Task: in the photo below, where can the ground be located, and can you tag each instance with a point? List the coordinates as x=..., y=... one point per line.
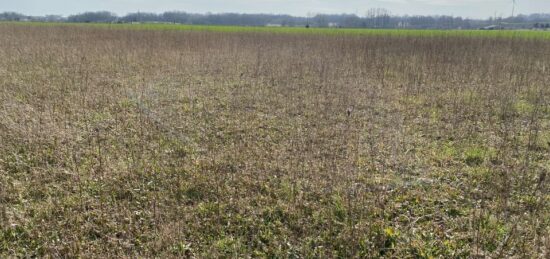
x=191, y=143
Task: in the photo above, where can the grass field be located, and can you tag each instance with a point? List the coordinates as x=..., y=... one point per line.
x=313, y=31
x=184, y=142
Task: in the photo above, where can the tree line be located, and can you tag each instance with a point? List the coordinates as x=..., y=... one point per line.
x=373, y=18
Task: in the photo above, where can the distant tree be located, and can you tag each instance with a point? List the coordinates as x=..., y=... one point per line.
x=321, y=20
x=11, y=16
x=373, y=18
x=141, y=17
x=93, y=17
x=176, y=17
x=377, y=18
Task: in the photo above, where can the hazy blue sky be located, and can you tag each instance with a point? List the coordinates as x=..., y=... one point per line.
x=466, y=8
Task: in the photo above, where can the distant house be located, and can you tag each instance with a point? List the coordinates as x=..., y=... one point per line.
x=274, y=25
x=492, y=27
x=541, y=26
x=333, y=25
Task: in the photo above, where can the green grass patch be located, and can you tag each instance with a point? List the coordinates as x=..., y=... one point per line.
x=308, y=31
x=524, y=107
x=475, y=156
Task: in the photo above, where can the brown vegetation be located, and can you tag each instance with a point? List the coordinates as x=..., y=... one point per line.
x=127, y=143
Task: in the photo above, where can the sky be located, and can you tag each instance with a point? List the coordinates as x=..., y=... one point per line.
x=464, y=8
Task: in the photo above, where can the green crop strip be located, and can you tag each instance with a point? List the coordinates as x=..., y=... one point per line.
x=310, y=31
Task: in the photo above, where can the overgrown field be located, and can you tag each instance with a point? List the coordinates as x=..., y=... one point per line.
x=151, y=143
